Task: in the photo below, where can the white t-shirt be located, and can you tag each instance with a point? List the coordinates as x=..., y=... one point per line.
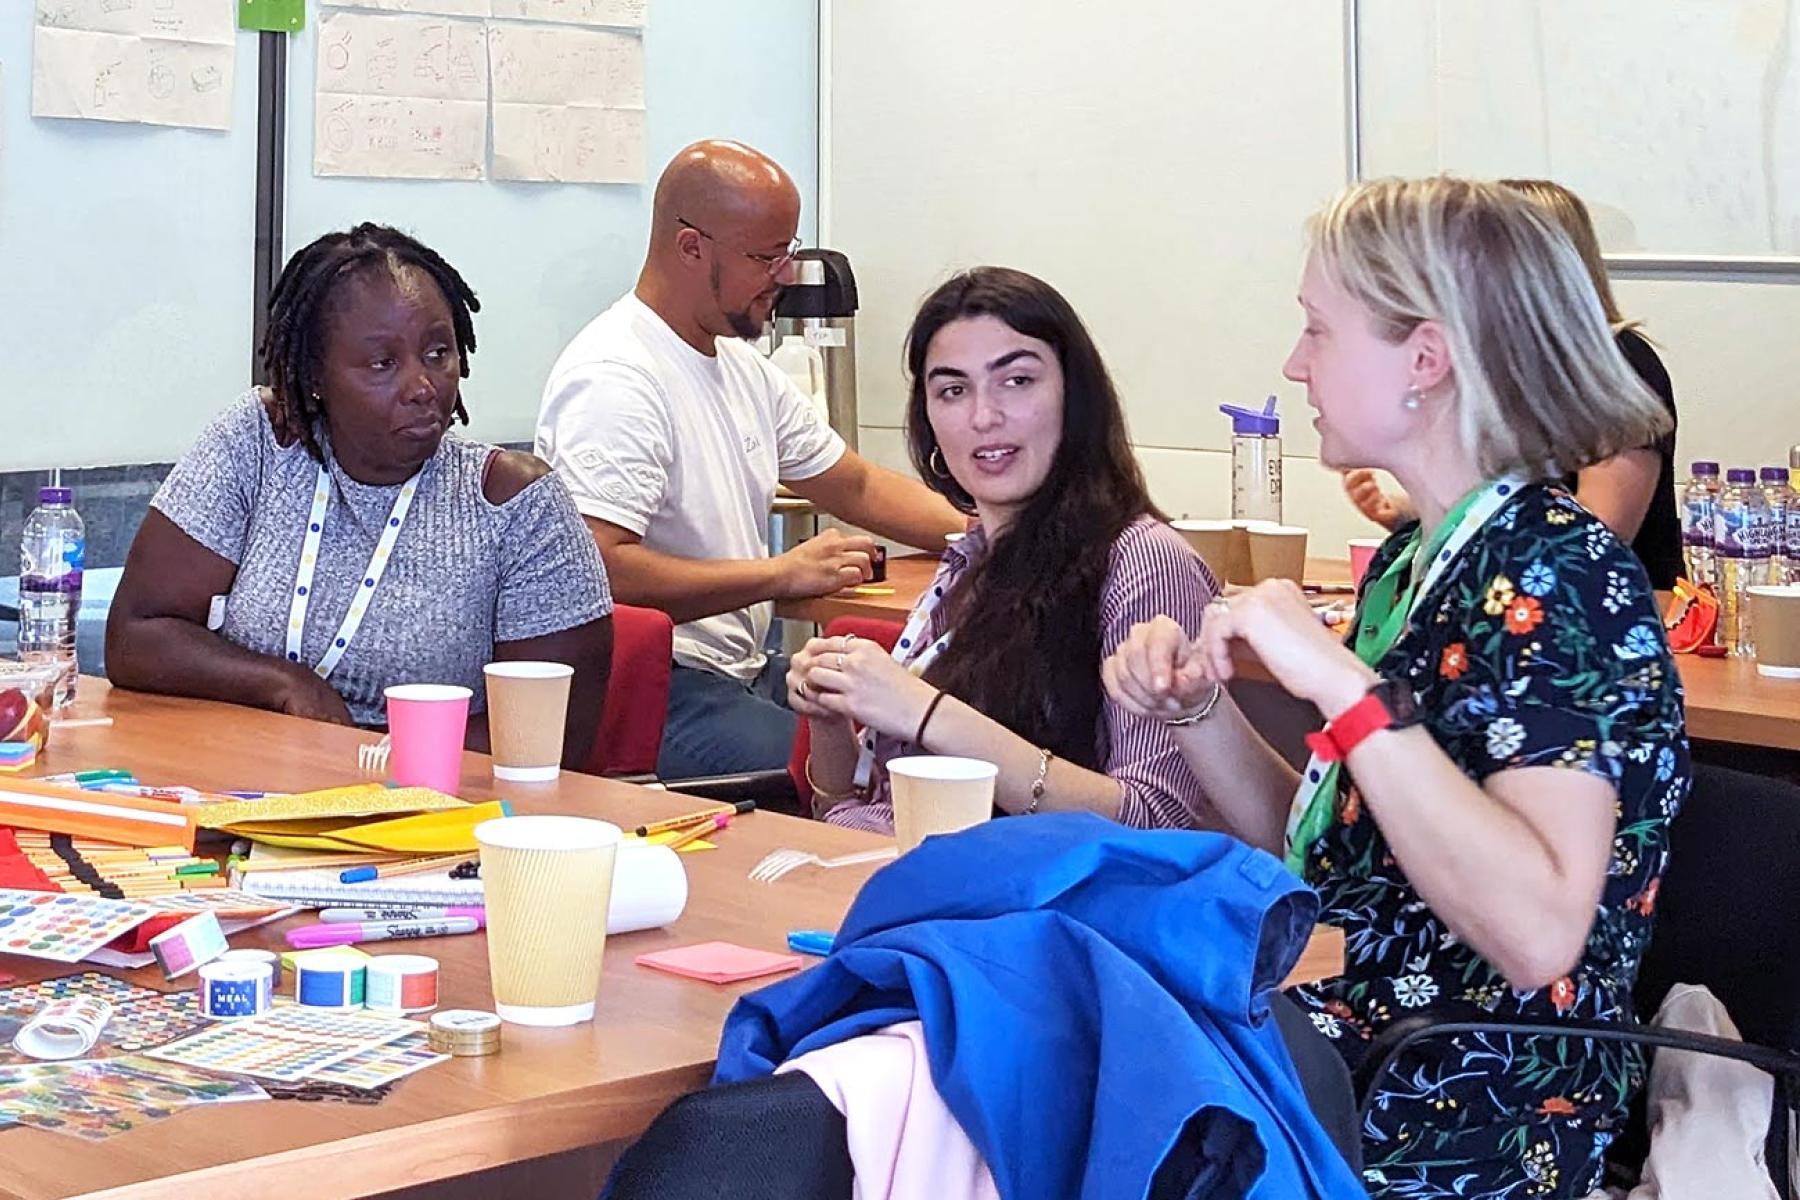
x=684, y=450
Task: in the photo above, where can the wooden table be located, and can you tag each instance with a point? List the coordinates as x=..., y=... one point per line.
x=1727, y=701
x=547, y=1091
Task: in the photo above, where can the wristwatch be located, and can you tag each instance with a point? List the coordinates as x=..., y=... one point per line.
x=1390, y=704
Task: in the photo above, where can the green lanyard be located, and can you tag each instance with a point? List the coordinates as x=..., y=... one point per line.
x=1387, y=604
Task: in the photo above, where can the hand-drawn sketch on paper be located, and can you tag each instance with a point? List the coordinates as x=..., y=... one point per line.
x=154, y=62
x=401, y=97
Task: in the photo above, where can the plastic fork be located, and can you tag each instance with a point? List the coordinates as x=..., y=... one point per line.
x=782, y=862
x=372, y=757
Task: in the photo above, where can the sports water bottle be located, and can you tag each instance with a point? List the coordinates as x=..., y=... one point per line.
x=51, y=556
x=1699, y=501
x=1255, y=462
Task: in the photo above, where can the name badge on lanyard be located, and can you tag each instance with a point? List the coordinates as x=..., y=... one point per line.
x=365, y=589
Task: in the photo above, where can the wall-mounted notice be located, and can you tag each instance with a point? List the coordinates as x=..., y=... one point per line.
x=620, y=14
x=401, y=97
x=156, y=62
x=439, y=8
x=568, y=104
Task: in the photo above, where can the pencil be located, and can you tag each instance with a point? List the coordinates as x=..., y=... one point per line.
x=699, y=831
x=686, y=819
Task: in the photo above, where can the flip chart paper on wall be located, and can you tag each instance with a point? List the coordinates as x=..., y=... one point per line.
x=401, y=97
x=168, y=63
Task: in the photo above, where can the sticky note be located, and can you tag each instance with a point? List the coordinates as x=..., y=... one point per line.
x=719, y=962
x=272, y=16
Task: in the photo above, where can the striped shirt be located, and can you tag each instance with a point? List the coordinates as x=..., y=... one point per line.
x=1152, y=572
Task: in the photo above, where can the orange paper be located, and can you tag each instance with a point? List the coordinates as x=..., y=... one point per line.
x=720, y=962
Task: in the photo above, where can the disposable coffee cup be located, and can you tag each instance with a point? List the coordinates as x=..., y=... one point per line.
x=1277, y=552
x=528, y=708
x=1362, y=553
x=427, y=723
x=1211, y=540
x=1775, y=625
x=547, y=884
x=939, y=794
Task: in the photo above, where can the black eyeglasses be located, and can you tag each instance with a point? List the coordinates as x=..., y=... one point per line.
x=772, y=263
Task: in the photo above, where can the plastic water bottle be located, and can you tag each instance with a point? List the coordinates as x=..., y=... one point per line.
x=1790, y=536
x=50, y=563
x=1255, y=462
x=1781, y=504
x=1742, y=538
x=1699, y=500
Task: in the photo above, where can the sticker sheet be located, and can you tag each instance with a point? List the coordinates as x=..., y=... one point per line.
x=288, y=1044
x=62, y=927
x=97, y=1098
x=380, y=1065
x=142, y=1017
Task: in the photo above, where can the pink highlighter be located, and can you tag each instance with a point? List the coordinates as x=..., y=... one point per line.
x=344, y=933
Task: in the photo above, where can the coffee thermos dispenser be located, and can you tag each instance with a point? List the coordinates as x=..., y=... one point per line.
x=820, y=308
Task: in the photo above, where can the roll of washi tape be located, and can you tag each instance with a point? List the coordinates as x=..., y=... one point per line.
x=402, y=983
x=331, y=981
x=269, y=957
x=235, y=989
x=464, y=1032
x=199, y=939
x=67, y=1028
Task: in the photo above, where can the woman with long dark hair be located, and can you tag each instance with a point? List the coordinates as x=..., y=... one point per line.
x=1013, y=417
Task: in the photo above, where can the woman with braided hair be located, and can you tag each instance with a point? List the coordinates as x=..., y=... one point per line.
x=328, y=536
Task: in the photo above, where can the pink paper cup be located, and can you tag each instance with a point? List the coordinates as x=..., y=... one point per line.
x=427, y=723
x=1362, y=552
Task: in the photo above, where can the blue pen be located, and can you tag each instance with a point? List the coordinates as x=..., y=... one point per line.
x=811, y=941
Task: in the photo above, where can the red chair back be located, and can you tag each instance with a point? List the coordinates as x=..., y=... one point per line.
x=875, y=630
x=637, y=693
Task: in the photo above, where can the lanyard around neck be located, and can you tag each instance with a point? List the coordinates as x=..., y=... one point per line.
x=365, y=588
x=1382, y=616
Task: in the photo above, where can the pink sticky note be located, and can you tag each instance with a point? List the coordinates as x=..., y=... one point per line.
x=719, y=962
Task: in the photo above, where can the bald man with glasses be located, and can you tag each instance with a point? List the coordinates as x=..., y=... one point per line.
x=672, y=432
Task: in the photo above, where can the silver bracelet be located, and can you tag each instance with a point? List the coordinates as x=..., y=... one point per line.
x=1037, y=785
x=1205, y=709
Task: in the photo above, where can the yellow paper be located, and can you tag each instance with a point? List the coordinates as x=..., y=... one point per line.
x=359, y=800
x=426, y=833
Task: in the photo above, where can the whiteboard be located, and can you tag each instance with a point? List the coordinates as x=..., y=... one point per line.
x=1155, y=162
x=546, y=258
x=125, y=273
x=1678, y=122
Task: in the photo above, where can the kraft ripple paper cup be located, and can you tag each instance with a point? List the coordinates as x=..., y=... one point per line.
x=528, y=708
x=547, y=882
x=939, y=794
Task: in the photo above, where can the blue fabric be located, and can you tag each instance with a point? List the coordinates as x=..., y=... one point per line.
x=719, y=726
x=1085, y=990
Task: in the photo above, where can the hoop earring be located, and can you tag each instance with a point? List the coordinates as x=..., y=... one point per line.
x=1413, y=398
x=935, y=460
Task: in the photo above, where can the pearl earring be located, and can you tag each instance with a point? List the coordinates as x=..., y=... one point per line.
x=1413, y=398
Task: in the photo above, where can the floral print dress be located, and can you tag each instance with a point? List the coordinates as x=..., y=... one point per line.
x=1539, y=646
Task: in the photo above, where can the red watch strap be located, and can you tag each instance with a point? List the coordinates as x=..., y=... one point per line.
x=1339, y=737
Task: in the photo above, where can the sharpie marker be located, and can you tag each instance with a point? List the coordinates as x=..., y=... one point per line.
x=314, y=936
x=401, y=913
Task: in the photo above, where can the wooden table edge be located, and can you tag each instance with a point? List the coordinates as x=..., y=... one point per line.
x=604, y=1111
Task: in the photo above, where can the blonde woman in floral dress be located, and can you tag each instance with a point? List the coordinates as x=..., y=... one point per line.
x=1486, y=811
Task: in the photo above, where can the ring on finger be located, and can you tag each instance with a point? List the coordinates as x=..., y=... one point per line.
x=840, y=665
x=800, y=690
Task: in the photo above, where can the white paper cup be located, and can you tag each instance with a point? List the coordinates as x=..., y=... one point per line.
x=938, y=794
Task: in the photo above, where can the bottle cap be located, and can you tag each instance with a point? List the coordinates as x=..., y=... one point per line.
x=1740, y=475
x=55, y=495
x=1247, y=422
x=1774, y=474
x=1705, y=467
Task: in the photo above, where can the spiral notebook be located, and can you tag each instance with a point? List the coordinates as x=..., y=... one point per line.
x=322, y=887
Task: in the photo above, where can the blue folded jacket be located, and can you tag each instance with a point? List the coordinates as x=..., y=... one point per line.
x=1093, y=998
